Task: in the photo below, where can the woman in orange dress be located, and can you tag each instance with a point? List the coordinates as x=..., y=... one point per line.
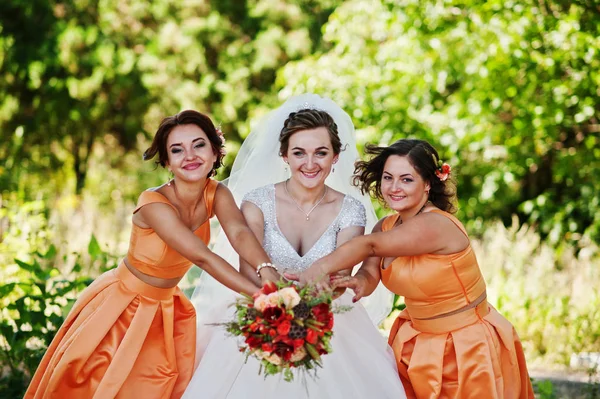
x=449, y=342
x=132, y=332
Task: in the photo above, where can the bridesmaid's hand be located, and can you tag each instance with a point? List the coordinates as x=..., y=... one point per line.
x=357, y=283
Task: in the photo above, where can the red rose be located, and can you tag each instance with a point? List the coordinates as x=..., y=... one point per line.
x=284, y=327
x=311, y=336
x=253, y=341
x=272, y=332
x=298, y=343
x=274, y=315
x=267, y=348
x=330, y=324
x=269, y=288
x=254, y=327
x=320, y=309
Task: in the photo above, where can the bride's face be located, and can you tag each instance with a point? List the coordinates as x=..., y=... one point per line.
x=310, y=156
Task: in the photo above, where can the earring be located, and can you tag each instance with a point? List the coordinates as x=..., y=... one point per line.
x=171, y=176
x=333, y=170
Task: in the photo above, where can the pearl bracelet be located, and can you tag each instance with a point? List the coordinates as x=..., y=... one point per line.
x=262, y=266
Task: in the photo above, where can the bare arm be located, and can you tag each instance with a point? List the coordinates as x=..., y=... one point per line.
x=166, y=223
x=366, y=279
x=344, y=236
x=242, y=237
x=423, y=234
x=255, y=219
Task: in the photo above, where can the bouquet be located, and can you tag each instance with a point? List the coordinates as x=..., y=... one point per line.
x=285, y=327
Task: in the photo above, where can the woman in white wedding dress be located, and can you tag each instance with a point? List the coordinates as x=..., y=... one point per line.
x=298, y=220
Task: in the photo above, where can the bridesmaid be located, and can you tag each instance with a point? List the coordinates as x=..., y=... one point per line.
x=448, y=342
x=132, y=332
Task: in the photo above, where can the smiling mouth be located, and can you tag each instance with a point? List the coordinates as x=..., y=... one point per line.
x=397, y=197
x=191, y=166
x=311, y=175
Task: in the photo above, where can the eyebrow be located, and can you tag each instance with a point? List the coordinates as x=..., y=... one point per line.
x=316, y=149
x=193, y=141
x=405, y=174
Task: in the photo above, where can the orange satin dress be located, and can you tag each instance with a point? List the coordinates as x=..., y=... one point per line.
x=475, y=353
x=125, y=338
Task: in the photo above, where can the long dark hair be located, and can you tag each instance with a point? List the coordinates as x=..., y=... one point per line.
x=188, y=117
x=421, y=155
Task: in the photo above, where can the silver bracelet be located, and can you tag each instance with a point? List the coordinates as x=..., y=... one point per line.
x=262, y=266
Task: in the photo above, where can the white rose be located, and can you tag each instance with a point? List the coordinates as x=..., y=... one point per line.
x=290, y=297
x=298, y=354
x=273, y=299
x=260, y=303
x=274, y=359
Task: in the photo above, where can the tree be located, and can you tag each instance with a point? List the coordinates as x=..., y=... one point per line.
x=507, y=90
x=92, y=68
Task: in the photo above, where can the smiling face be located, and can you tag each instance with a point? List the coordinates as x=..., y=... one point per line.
x=402, y=187
x=310, y=156
x=191, y=156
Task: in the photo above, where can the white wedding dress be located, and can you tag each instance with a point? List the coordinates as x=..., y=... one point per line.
x=361, y=365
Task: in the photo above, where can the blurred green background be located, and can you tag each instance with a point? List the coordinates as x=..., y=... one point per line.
x=508, y=91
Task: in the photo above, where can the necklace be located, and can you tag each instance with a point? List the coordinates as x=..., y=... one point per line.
x=399, y=221
x=298, y=206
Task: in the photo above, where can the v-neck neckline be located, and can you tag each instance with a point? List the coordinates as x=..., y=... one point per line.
x=276, y=223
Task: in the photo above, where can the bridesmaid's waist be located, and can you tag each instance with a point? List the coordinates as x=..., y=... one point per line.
x=430, y=310
x=139, y=286
x=451, y=322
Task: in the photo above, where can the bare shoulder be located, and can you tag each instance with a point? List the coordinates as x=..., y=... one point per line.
x=334, y=196
x=378, y=226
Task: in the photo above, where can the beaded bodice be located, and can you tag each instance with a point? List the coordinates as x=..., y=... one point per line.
x=281, y=252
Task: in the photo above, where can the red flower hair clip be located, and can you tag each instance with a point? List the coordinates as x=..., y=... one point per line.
x=443, y=170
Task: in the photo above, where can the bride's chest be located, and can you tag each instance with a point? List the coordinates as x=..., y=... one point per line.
x=288, y=258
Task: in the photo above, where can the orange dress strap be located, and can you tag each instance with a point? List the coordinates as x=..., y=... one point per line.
x=452, y=218
x=209, y=196
x=152, y=197
x=389, y=222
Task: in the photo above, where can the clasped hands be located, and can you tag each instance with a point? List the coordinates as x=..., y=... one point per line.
x=317, y=275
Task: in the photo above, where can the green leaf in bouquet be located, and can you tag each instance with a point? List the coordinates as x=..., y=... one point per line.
x=288, y=375
x=312, y=351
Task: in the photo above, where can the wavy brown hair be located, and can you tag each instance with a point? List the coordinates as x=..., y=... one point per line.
x=309, y=119
x=421, y=155
x=188, y=117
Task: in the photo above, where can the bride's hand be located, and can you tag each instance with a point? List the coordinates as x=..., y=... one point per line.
x=315, y=274
x=269, y=274
x=356, y=283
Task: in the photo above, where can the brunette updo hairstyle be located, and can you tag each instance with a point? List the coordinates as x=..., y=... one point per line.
x=308, y=119
x=421, y=155
x=188, y=117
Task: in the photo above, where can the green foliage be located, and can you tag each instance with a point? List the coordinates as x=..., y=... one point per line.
x=507, y=91
x=544, y=389
x=35, y=299
x=94, y=70
x=552, y=301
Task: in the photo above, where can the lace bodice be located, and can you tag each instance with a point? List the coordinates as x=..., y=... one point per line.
x=281, y=252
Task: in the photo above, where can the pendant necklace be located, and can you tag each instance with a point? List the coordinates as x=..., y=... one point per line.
x=298, y=206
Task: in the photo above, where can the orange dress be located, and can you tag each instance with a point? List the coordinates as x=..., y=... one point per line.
x=475, y=353
x=125, y=338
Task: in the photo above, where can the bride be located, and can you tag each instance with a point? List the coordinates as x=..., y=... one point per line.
x=298, y=219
